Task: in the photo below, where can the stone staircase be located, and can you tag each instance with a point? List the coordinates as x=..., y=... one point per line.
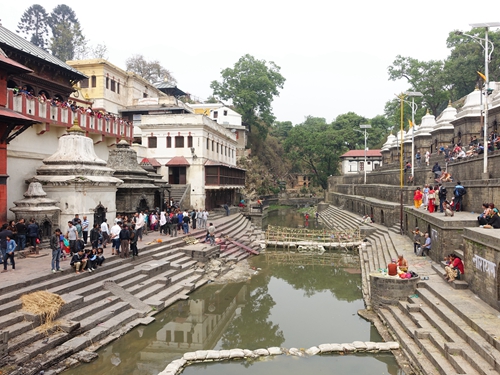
x=445, y=331
x=161, y=275
x=336, y=218
x=440, y=329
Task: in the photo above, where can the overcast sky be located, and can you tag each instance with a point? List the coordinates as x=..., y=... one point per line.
x=334, y=55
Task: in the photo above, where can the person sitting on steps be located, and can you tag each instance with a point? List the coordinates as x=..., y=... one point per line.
x=427, y=245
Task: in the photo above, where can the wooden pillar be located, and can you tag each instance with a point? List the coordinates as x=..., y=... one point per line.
x=3, y=182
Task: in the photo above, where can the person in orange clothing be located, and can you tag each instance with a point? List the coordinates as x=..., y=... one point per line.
x=402, y=263
x=417, y=198
x=392, y=268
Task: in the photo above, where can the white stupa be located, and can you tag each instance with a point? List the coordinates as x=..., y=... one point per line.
x=78, y=179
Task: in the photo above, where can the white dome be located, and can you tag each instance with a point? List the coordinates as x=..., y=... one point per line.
x=446, y=117
x=428, y=123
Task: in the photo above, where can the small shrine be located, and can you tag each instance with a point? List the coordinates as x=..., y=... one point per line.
x=139, y=191
x=81, y=182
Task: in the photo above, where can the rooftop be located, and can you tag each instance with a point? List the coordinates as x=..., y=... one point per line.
x=361, y=153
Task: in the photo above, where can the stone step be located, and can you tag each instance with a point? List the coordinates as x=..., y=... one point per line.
x=450, y=343
x=401, y=327
x=488, y=352
x=10, y=319
x=160, y=280
x=166, y=297
x=456, y=284
x=103, y=316
x=91, y=308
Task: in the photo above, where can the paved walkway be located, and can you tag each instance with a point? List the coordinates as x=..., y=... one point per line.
x=33, y=267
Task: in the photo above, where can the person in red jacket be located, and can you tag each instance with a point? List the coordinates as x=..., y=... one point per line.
x=455, y=269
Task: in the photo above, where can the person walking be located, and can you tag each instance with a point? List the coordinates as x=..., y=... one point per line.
x=22, y=230
x=55, y=246
x=94, y=236
x=33, y=234
x=85, y=229
x=417, y=238
x=139, y=224
x=104, y=233
x=124, y=237
x=133, y=241
x=72, y=236
x=458, y=193
x=211, y=234
x=9, y=253
x=442, y=197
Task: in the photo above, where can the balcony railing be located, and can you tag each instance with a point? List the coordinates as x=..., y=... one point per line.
x=46, y=113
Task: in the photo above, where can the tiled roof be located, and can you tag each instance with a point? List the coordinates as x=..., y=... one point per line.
x=151, y=161
x=178, y=161
x=359, y=153
x=11, y=65
x=8, y=38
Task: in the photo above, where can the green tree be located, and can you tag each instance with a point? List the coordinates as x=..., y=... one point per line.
x=426, y=77
x=251, y=85
x=34, y=24
x=347, y=128
x=315, y=147
x=466, y=59
x=151, y=71
x=281, y=129
x=67, y=36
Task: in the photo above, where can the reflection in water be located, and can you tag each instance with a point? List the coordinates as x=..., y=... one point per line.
x=288, y=305
x=289, y=217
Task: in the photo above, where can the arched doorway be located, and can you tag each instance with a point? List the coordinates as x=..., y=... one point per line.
x=99, y=214
x=143, y=205
x=45, y=229
x=382, y=220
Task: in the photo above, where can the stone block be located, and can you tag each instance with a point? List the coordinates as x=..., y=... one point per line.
x=236, y=353
x=359, y=345
x=213, y=354
x=189, y=356
x=68, y=326
x=422, y=333
x=325, y=348
x=201, y=355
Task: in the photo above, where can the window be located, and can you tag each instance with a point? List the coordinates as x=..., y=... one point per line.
x=84, y=83
x=225, y=150
x=217, y=148
x=107, y=82
x=144, y=95
x=213, y=143
x=190, y=141
x=216, y=114
x=118, y=87
x=208, y=144
x=179, y=142
x=113, y=85
x=361, y=165
x=169, y=142
x=152, y=142
x=94, y=81
x=225, y=113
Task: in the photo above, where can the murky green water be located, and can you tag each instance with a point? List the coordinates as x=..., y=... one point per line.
x=287, y=305
x=293, y=301
x=289, y=217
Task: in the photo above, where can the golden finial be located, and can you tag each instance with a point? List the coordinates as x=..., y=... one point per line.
x=76, y=127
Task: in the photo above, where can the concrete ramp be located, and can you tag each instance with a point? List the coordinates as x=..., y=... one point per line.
x=126, y=296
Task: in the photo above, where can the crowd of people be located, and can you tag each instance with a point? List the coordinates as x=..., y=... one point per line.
x=435, y=197
x=58, y=101
x=489, y=218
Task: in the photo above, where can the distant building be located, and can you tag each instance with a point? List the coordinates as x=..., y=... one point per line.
x=226, y=117
x=353, y=161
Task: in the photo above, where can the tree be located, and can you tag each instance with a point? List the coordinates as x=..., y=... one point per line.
x=34, y=23
x=67, y=36
x=466, y=59
x=347, y=125
x=281, y=129
x=151, y=71
x=251, y=85
x=315, y=147
x=426, y=77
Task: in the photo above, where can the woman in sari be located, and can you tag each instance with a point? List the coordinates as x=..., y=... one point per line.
x=432, y=199
x=417, y=198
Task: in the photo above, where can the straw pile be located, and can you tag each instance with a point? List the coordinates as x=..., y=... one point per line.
x=44, y=304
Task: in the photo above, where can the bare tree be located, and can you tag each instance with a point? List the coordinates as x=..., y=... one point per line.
x=151, y=71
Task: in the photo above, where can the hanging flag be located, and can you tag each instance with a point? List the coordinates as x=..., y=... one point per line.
x=482, y=76
x=410, y=123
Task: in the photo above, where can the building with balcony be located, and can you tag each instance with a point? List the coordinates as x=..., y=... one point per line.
x=226, y=117
x=195, y=152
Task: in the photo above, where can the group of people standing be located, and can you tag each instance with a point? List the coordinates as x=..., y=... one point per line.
x=434, y=197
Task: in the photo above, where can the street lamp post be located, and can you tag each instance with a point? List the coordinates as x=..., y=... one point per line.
x=367, y=126
x=487, y=55
x=414, y=107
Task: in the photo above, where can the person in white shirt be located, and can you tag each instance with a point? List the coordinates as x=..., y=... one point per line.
x=204, y=219
x=105, y=233
x=115, y=237
x=139, y=225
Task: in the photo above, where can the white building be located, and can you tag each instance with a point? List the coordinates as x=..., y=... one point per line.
x=353, y=161
x=193, y=151
x=226, y=117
